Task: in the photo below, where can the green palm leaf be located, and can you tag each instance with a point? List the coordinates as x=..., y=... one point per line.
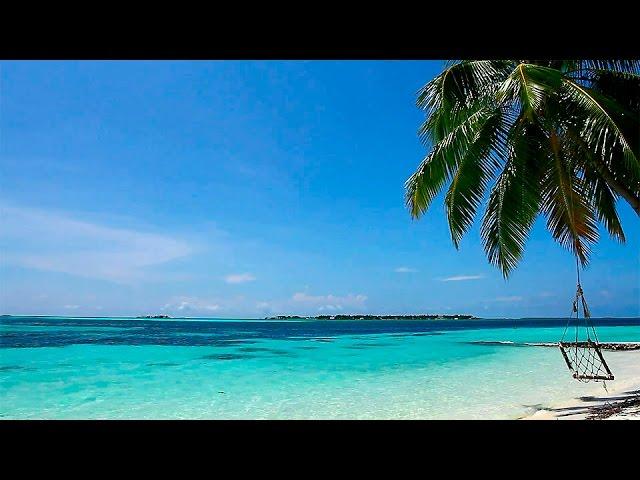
x=600, y=128
x=565, y=134
x=514, y=200
x=442, y=162
x=570, y=217
x=476, y=168
x=531, y=85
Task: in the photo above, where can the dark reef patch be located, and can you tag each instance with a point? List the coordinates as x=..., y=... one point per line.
x=362, y=346
x=282, y=353
x=268, y=351
x=255, y=349
x=226, y=356
x=11, y=368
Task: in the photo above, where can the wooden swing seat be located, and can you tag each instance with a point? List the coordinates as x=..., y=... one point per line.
x=597, y=372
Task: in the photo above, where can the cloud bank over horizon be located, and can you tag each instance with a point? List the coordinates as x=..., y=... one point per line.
x=50, y=241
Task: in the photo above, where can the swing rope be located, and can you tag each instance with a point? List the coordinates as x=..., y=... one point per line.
x=583, y=357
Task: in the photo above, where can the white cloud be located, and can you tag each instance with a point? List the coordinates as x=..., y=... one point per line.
x=239, y=278
x=50, y=241
x=462, y=278
x=329, y=302
x=246, y=307
x=72, y=307
x=405, y=270
x=330, y=308
x=513, y=298
x=185, y=305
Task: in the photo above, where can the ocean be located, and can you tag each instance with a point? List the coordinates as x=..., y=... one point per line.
x=126, y=368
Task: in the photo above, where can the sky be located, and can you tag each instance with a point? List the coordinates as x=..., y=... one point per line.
x=246, y=189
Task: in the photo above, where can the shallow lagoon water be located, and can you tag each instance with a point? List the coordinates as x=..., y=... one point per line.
x=55, y=368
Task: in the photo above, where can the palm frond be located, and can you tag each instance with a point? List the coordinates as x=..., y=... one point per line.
x=441, y=163
x=461, y=83
x=564, y=136
x=475, y=170
x=570, y=216
x=445, y=122
x=531, y=85
x=604, y=201
x=623, y=88
x=514, y=200
x=598, y=191
x=601, y=129
x=619, y=66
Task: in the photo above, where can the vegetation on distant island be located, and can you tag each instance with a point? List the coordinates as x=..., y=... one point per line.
x=374, y=317
x=559, y=138
x=153, y=316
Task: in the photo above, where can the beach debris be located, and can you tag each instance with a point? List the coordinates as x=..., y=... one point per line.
x=628, y=406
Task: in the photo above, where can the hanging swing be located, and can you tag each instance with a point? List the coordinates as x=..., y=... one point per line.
x=583, y=355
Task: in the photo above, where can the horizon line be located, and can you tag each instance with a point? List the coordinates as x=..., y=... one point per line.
x=301, y=317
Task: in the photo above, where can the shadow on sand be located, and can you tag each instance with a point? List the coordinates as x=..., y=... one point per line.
x=623, y=404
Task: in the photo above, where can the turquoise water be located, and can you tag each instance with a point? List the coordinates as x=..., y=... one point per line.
x=64, y=368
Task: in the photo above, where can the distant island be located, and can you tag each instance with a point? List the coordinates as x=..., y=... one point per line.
x=373, y=317
x=153, y=316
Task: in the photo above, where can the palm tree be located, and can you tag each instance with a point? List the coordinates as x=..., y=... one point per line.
x=559, y=138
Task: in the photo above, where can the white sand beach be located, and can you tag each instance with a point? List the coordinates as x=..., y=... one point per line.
x=620, y=400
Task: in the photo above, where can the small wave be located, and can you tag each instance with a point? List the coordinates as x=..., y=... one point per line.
x=493, y=342
x=509, y=343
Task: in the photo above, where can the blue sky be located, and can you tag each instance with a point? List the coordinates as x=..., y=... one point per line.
x=245, y=189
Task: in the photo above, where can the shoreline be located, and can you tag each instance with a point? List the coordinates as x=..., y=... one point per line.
x=620, y=401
